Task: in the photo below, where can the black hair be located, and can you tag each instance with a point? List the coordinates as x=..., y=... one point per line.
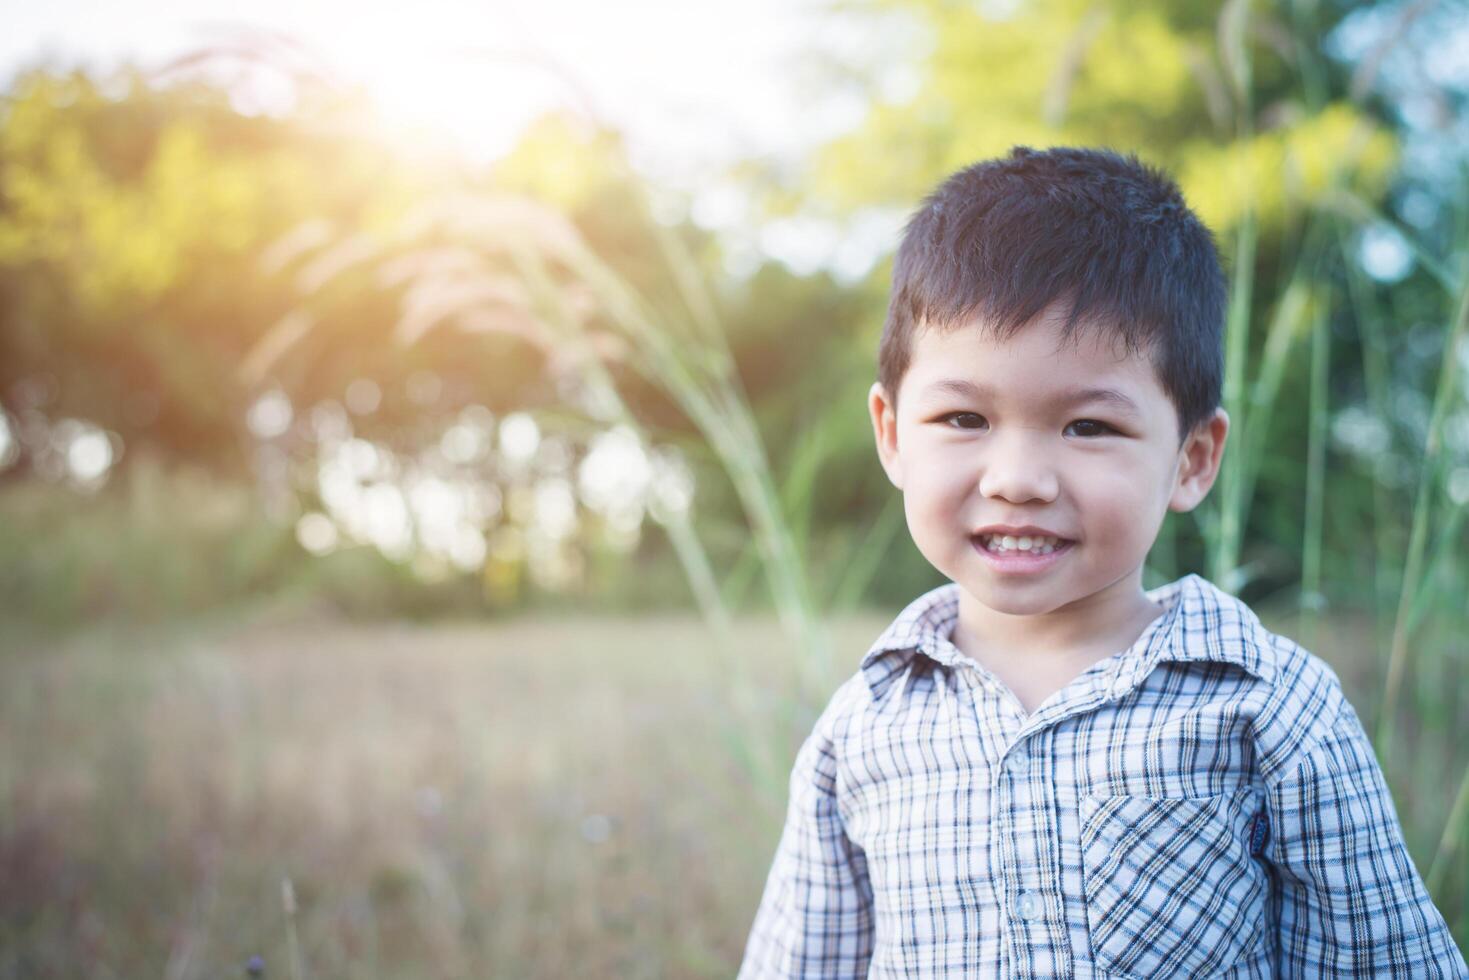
x=1003, y=239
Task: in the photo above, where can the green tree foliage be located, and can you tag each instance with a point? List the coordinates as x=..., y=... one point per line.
x=130, y=231
x=1235, y=100
x=1269, y=138
x=161, y=259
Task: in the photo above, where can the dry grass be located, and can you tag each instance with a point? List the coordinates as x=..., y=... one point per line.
x=531, y=798
x=527, y=799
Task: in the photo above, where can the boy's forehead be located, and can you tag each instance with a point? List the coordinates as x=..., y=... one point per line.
x=1037, y=354
x=1044, y=334
x=1120, y=398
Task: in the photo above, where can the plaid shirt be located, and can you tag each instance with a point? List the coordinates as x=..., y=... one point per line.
x=1204, y=803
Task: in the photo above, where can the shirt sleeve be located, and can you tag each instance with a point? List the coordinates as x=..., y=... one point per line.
x=1351, y=902
x=815, y=917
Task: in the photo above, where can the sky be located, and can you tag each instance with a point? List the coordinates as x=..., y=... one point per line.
x=701, y=76
x=693, y=84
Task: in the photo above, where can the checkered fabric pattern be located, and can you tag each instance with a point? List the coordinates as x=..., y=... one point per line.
x=1202, y=804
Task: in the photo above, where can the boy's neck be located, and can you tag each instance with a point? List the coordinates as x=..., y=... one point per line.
x=1068, y=639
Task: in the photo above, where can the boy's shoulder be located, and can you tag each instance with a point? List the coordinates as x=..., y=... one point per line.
x=1292, y=696
x=1298, y=701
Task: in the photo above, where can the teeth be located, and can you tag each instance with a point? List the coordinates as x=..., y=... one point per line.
x=1006, y=542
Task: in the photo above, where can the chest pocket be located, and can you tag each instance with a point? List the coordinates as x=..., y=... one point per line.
x=1171, y=887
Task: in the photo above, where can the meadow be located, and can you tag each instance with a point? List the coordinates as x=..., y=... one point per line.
x=533, y=797
x=526, y=798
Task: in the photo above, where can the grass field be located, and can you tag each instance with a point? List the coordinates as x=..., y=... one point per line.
x=530, y=798
x=526, y=799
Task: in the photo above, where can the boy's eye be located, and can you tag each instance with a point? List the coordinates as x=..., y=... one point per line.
x=961, y=415
x=1089, y=428
x=1095, y=428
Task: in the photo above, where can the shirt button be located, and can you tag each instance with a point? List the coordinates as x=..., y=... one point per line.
x=1018, y=760
x=1028, y=906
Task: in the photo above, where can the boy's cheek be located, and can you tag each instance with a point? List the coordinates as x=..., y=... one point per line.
x=937, y=484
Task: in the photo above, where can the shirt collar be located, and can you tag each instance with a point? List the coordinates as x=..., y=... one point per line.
x=1200, y=623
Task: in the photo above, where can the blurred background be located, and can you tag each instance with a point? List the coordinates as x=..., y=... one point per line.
x=436, y=491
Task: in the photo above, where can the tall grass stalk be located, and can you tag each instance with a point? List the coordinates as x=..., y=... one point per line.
x=1303, y=308
x=736, y=438
x=1455, y=828
x=686, y=355
x=1445, y=550
x=1291, y=318
x=1412, y=591
x=1351, y=206
x=293, y=943
x=1378, y=380
x=1312, y=596
x=698, y=371
x=862, y=566
x=1428, y=481
x=1222, y=535
x=760, y=753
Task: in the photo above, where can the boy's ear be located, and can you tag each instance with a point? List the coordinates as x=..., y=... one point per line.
x=885, y=430
x=1198, y=462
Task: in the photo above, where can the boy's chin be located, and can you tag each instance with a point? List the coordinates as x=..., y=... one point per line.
x=1015, y=598
x=1011, y=606
x=1021, y=595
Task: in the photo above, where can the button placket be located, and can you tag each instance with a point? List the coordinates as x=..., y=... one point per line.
x=1034, y=874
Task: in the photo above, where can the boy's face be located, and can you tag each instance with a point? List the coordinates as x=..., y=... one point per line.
x=1018, y=451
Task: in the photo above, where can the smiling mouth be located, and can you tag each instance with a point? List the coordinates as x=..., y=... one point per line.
x=1005, y=544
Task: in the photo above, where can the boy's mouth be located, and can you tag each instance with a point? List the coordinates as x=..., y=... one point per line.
x=1009, y=558
x=1006, y=544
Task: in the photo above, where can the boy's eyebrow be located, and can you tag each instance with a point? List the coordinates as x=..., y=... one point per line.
x=1072, y=396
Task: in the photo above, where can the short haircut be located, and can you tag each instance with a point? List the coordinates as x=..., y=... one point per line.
x=1003, y=239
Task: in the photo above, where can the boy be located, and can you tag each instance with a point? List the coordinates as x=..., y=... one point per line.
x=1039, y=769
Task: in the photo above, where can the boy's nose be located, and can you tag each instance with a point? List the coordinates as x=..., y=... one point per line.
x=1016, y=470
